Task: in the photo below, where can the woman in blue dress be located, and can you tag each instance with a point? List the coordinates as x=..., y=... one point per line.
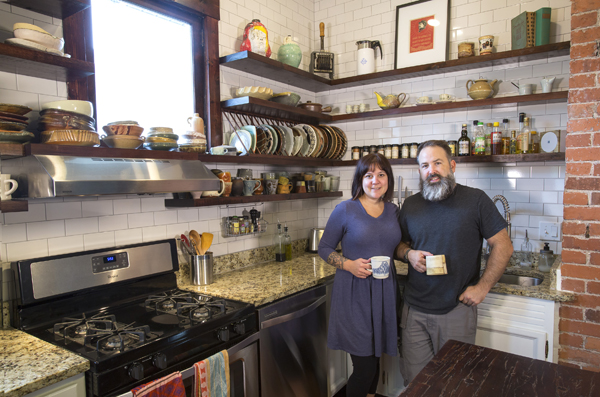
x=363, y=309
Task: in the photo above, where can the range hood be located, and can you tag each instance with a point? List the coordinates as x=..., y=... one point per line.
x=42, y=176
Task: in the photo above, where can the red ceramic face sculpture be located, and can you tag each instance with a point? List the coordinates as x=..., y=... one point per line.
x=256, y=39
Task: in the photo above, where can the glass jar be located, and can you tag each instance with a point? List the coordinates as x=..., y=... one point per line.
x=365, y=151
x=405, y=150
x=381, y=150
x=236, y=226
x=395, y=151
x=388, y=151
x=452, y=145
x=355, y=153
x=414, y=147
x=373, y=149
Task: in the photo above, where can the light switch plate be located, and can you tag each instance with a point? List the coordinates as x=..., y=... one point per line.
x=549, y=231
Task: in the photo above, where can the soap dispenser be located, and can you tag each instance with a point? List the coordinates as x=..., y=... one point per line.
x=526, y=252
x=546, y=259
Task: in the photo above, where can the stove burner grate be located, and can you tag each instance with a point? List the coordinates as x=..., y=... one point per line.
x=167, y=302
x=119, y=339
x=202, y=309
x=74, y=328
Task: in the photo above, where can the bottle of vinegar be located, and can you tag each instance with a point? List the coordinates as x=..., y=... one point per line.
x=464, y=143
x=496, y=139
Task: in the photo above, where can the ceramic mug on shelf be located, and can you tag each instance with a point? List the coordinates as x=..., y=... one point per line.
x=260, y=188
x=237, y=187
x=7, y=187
x=284, y=189
x=444, y=97
x=525, y=89
x=214, y=193
x=423, y=99
x=228, y=187
x=244, y=173
x=271, y=186
x=250, y=186
x=486, y=44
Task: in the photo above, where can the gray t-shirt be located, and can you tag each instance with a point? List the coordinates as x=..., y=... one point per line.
x=454, y=227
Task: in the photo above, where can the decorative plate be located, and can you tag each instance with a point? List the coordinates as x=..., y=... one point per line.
x=15, y=109
x=344, y=142
x=262, y=142
x=12, y=125
x=334, y=141
x=18, y=137
x=255, y=92
x=305, y=145
x=274, y=138
x=289, y=140
x=280, y=140
x=322, y=141
x=13, y=120
x=252, y=130
x=242, y=140
x=311, y=138
x=35, y=46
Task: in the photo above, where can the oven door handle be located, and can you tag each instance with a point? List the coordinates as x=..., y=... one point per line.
x=243, y=344
x=290, y=316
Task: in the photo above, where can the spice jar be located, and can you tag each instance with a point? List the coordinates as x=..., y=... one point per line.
x=452, y=145
x=388, y=151
x=365, y=151
x=373, y=149
x=395, y=151
x=355, y=153
x=405, y=150
x=414, y=147
x=381, y=150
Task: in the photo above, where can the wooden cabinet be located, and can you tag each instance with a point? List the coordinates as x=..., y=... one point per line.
x=519, y=325
x=71, y=387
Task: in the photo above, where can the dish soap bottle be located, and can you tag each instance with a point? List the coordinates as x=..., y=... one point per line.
x=278, y=243
x=287, y=243
x=526, y=250
x=546, y=259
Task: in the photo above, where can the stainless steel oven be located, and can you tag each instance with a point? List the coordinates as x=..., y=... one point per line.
x=243, y=368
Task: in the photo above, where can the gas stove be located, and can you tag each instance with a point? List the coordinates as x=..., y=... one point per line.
x=120, y=309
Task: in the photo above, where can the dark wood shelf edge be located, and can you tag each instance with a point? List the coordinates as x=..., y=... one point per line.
x=80, y=67
x=270, y=160
x=557, y=95
x=210, y=201
x=14, y=206
x=11, y=150
x=60, y=9
x=255, y=106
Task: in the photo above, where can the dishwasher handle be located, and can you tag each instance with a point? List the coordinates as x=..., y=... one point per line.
x=290, y=316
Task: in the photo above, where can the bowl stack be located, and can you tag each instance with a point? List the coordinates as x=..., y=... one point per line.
x=68, y=122
x=13, y=123
x=35, y=38
x=192, y=141
x=123, y=135
x=161, y=138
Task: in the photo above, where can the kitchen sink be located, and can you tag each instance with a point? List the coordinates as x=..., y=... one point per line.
x=520, y=280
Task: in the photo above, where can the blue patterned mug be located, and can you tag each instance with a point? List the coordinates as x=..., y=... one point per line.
x=380, y=266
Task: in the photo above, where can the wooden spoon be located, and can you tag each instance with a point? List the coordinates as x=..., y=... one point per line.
x=205, y=242
x=195, y=238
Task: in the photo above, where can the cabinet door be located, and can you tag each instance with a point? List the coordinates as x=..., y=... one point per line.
x=391, y=382
x=338, y=375
x=71, y=387
x=511, y=339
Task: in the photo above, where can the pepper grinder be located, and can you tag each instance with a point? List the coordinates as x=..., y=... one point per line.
x=254, y=217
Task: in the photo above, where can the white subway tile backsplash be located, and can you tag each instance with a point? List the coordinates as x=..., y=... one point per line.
x=81, y=226
x=554, y=184
x=65, y=245
x=553, y=209
x=63, y=210
x=113, y=222
x=143, y=219
x=43, y=230
x=26, y=250
x=96, y=208
x=35, y=213
x=154, y=233
x=126, y=206
x=530, y=184
x=14, y=233
x=36, y=85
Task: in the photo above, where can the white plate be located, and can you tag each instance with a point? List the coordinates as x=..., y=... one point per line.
x=35, y=46
x=289, y=140
x=242, y=140
x=252, y=130
x=304, y=145
x=311, y=138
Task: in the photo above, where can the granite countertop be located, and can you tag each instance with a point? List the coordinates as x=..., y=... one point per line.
x=30, y=364
x=266, y=282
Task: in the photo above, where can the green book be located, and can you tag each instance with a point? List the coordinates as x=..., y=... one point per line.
x=542, y=26
x=523, y=31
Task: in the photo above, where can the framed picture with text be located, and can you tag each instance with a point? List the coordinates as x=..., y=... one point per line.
x=421, y=32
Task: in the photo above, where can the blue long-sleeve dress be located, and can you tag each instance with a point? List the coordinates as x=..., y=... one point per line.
x=363, y=311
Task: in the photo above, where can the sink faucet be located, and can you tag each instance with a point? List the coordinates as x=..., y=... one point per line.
x=504, y=202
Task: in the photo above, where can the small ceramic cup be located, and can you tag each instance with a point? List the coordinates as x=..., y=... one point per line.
x=250, y=186
x=260, y=188
x=348, y=109
x=244, y=173
x=444, y=97
x=284, y=189
x=228, y=187
x=327, y=184
x=300, y=187
x=356, y=108
x=283, y=180
x=271, y=186
x=7, y=187
x=525, y=89
x=486, y=44
x=362, y=107
x=423, y=99
x=237, y=187
x=380, y=266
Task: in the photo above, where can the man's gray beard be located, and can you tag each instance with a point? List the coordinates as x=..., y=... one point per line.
x=438, y=191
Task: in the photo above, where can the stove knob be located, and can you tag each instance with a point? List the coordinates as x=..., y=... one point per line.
x=239, y=328
x=136, y=371
x=160, y=361
x=223, y=334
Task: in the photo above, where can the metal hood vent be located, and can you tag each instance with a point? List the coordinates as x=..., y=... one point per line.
x=42, y=176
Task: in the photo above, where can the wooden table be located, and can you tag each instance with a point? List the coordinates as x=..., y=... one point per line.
x=462, y=369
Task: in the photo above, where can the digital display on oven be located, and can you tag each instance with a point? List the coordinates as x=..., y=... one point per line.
x=110, y=262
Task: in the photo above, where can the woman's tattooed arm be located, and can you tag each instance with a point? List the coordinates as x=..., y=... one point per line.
x=336, y=260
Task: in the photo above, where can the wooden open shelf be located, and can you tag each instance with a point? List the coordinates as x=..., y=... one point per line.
x=208, y=201
x=14, y=206
x=271, y=160
x=40, y=64
x=259, y=65
x=11, y=150
x=55, y=8
x=506, y=158
x=260, y=107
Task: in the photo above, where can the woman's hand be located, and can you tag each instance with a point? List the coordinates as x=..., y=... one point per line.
x=417, y=260
x=360, y=267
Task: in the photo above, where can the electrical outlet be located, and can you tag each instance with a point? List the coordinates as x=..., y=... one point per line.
x=549, y=231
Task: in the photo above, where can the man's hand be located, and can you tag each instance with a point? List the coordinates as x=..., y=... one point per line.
x=417, y=260
x=473, y=295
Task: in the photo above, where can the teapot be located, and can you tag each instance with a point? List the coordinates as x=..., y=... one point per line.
x=391, y=101
x=547, y=84
x=481, y=88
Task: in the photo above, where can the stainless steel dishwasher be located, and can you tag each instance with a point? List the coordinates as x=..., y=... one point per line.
x=293, y=345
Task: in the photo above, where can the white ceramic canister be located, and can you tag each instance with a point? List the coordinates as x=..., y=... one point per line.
x=365, y=62
x=196, y=123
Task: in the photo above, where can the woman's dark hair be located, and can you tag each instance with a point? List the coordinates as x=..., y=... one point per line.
x=366, y=164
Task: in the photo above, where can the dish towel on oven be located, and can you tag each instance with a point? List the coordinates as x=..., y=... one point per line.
x=211, y=376
x=167, y=386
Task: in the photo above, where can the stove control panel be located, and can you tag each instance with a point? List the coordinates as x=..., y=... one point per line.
x=106, y=263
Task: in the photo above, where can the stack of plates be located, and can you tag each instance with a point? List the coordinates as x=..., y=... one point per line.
x=35, y=38
x=161, y=138
x=301, y=140
x=13, y=123
x=62, y=127
x=192, y=141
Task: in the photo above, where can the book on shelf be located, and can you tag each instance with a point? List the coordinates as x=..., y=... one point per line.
x=523, y=30
x=542, y=25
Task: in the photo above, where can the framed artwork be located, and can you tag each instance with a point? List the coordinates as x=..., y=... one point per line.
x=421, y=32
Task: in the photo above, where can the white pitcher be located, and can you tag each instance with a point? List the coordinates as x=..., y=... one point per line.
x=365, y=62
x=547, y=84
x=196, y=123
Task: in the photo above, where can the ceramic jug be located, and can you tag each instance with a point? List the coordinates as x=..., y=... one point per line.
x=366, y=56
x=196, y=123
x=481, y=88
x=290, y=52
x=391, y=101
x=547, y=84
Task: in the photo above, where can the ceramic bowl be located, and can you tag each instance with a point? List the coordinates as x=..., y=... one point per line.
x=255, y=92
x=123, y=141
x=82, y=107
x=41, y=37
x=123, y=129
x=160, y=146
x=286, y=98
x=57, y=119
x=70, y=137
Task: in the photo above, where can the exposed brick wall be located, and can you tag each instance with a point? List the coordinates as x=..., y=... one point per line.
x=579, y=327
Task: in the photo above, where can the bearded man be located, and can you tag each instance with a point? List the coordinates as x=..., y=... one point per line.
x=449, y=219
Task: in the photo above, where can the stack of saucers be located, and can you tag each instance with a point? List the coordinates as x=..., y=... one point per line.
x=13, y=123
x=161, y=138
x=192, y=141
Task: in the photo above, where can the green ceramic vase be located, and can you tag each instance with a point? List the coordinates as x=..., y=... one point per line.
x=289, y=53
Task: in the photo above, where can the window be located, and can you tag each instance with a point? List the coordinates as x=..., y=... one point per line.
x=144, y=66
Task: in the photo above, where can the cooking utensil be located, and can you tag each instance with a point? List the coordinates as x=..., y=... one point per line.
x=322, y=61
x=186, y=243
x=205, y=242
x=314, y=107
x=195, y=239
